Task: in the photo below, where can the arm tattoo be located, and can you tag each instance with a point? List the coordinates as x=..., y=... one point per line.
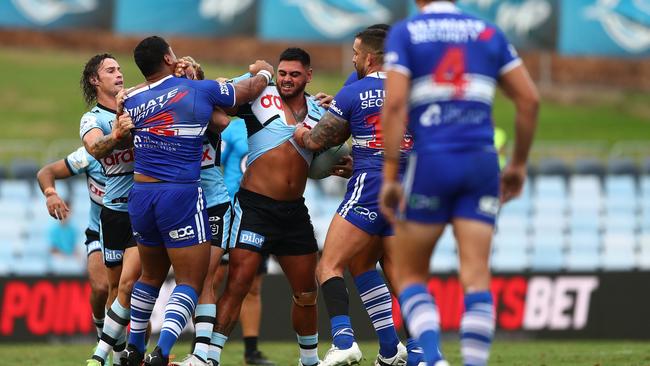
x=329, y=131
x=103, y=146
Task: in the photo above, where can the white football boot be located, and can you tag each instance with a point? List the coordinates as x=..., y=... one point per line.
x=398, y=360
x=341, y=357
x=190, y=360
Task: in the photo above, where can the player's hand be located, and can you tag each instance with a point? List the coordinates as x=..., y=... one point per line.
x=343, y=168
x=299, y=134
x=512, y=182
x=323, y=100
x=57, y=207
x=119, y=99
x=221, y=80
x=122, y=126
x=260, y=65
x=188, y=67
x=391, y=197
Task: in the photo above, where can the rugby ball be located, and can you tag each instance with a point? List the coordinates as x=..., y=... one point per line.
x=321, y=165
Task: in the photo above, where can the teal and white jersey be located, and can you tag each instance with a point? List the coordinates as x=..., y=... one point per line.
x=118, y=166
x=212, y=182
x=80, y=162
x=267, y=127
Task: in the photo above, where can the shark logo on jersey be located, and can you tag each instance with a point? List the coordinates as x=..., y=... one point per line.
x=223, y=10
x=43, y=12
x=336, y=19
x=523, y=18
x=631, y=35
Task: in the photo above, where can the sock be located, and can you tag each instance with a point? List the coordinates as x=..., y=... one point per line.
x=477, y=328
x=115, y=323
x=308, y=349
x=415, y=353
x=216, y=345
x=178, y=311
x=203, y=324
x=99, y=325
x=421, y=316
x=118, y=349
x=379, y=305
x=143, y=299
x=250, y=345
x=337, y=301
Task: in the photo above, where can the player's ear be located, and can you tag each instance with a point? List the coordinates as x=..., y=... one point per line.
x=309, y=74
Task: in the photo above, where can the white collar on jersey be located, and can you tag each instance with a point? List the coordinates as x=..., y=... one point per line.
x=149, y=86
x=441, y=7
x=377, y=74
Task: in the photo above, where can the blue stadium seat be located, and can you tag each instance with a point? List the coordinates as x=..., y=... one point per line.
x=618, y=252
x=512, y=225
x=510, y=254
x=644, y=218
x=584, y=221
x=624, y=222
x=644, y=252
x=550, y=185
x=585, y=193
x=13, y=209
x=645, y=186
x=584, y=240
x=444, y=258
x=15, y=190
x=549, y=222
x=620, y=185
x=66, y=266
x=30, y=266
x=547, y=253
x=582, y=259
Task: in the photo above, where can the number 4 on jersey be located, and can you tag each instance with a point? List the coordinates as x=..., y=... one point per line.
x=451, y=70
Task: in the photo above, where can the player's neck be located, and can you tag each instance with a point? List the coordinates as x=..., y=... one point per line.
x=297, y=105
x=107, y=100
x=374, y=69
x=157, y=76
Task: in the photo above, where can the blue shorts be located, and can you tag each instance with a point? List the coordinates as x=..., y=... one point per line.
x=172, y=214
x=360, y=206
x=441, y=186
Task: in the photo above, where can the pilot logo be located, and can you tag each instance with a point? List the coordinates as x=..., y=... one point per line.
x=335, y=19
x=251, y=238
x=626, y=23
x=111, y=255
x=223, y=10
x=181, y=234
x=45, y=12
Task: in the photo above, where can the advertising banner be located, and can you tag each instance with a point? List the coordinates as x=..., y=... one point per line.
x=528, y=24
x=605, y=27
x=323, y=20
x=56, y=14
x=590, y=305
x=190, y=17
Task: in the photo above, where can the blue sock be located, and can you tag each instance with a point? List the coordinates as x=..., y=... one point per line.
x=178, y=311
x=143, y=299
x=216, y=346
x=477, y=328
x=308, y=349
x=203, y=324
x=415, y=353
x=342, y=334
x=379, y=305
x=117, y=318
x=421, y=316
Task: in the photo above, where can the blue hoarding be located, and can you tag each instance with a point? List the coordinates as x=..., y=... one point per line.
x=188, y=17
x=55, y=14
x=323, y=20
x=605, y=27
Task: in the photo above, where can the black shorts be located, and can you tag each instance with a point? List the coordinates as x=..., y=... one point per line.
x=262, y=269
x=219, y=219
x=267, y=226
x=117, y=235
x=92, y=242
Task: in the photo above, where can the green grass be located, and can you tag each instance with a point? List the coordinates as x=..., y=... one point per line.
x=510, y=353
x=41, y=101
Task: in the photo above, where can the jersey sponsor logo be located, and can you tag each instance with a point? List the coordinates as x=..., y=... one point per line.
x=119, y=162
x=372, y=98
x=87, y=123
x=422, y=202
x=335, y=108
x=251, y=238
x=365, y=213
x=96, y=191
x=445, y=30
x=208, y=158
x=223, y=88
x=154, y=105
x=271, y=100
x=46, y=12
x=112, y=255
x=489, y=205
x=183, y=233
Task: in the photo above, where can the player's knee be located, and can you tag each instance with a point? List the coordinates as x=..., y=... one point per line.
x=99, y=288
x=304, y=299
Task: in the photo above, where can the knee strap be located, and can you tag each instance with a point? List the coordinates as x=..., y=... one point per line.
x=304, y=299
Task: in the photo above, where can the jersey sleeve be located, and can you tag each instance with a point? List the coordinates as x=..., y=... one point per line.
x=219, y=94
x=341, y=105
x=77, y=161
x=397, y=56
x=88, y=122
x=508, y=57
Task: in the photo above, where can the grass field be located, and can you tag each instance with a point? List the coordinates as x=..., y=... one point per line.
x=40, y=99
x=507, y=353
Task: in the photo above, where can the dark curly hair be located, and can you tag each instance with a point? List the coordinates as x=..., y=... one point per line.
x=91, y=70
